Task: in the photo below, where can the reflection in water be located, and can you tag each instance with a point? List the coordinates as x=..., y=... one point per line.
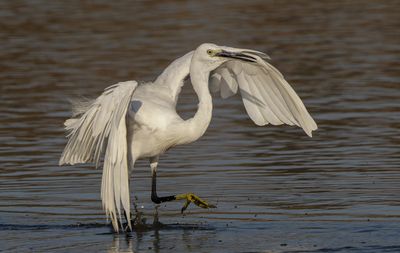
x=117, y=247
x=160, y=238
x=147, y=236
x=275, y=188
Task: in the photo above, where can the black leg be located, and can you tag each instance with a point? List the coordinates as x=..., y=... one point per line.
x=154, y=196
x=189, y=197
x=127, y=229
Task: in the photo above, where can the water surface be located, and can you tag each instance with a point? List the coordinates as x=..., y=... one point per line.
x=276, y=189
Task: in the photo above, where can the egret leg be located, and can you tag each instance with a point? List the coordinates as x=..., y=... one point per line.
x=189, y=197
x=154, y=196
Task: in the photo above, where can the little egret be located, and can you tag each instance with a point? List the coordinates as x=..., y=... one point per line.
x=130, y=121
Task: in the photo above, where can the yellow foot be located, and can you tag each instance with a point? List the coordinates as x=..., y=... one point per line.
x=190, y=197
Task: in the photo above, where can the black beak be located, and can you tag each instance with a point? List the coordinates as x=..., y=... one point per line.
x=233, y=55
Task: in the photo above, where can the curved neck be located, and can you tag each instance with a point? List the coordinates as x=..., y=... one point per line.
x=201, y=120
x=173, y=76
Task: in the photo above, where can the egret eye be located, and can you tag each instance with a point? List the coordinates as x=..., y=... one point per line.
x=209, y=52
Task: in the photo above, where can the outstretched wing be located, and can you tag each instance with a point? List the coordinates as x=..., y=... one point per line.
x=102, y=126
x=266, y=95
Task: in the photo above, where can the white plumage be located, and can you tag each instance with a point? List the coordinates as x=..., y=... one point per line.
x=130, y=121
x=104, y=125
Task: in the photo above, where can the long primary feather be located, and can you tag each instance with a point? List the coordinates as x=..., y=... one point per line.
x=102, y=126
x=267, y=96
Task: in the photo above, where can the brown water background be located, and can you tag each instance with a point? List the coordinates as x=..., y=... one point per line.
x=276, y=189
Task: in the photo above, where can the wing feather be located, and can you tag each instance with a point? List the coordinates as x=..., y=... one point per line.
x=266, y=95
x=276, y=97
x=267, y=107
x=229, y=85
x=102, y=126
x=251, y=103
x=272, y=103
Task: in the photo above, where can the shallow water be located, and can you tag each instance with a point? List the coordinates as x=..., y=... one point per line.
x=276, y=189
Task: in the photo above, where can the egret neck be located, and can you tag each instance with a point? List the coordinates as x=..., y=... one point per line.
x=201, y=120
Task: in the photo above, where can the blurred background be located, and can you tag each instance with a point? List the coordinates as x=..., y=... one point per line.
x=276, y=189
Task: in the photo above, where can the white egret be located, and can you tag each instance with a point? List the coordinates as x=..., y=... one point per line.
x=130, y=121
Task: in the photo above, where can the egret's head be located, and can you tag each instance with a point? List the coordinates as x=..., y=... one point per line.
x=213, y=55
